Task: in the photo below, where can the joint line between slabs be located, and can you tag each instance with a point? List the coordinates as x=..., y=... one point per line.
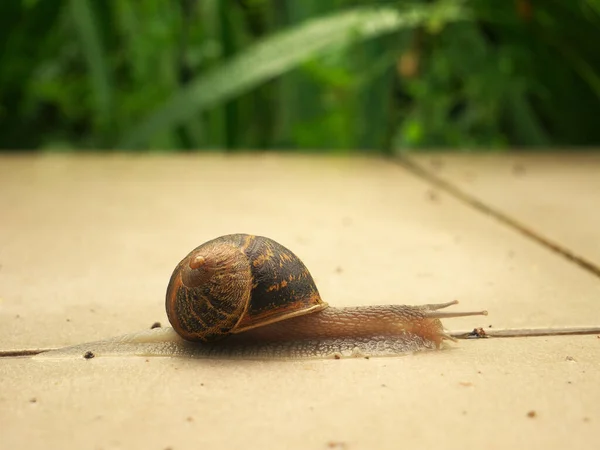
x=503, y=218
x=23, y=352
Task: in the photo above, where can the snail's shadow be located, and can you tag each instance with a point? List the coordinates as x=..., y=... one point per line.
x=164, y=342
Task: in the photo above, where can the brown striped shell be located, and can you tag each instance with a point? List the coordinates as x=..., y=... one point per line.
x=237, y=282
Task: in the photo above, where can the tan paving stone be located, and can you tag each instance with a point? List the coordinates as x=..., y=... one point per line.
x=87, y=243
x=555, y=195
x=493, y=394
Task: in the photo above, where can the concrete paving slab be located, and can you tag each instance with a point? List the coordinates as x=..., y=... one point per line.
x=493, y=394
x=87, y=243
x=553, y=195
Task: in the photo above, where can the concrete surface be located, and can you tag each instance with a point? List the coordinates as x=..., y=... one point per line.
x=479, y=395
x=553, y=195
x=87, y=244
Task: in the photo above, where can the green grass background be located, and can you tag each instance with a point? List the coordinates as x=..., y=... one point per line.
x=299, y=75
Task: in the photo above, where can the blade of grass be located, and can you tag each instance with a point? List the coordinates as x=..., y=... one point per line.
x=279, y=54
x=92, y=48
x=583, y=68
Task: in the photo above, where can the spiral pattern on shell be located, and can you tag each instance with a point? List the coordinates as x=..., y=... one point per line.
x=237, y=282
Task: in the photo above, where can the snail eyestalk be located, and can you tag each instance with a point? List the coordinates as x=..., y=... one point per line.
x=432, y=311
x=441, y=305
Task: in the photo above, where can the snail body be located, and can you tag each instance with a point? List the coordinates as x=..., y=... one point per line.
x=257, y=291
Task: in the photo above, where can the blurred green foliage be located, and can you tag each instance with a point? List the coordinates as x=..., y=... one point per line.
x=339, y=75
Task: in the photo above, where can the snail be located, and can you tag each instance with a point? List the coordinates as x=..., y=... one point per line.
x=257, y=291
x=247, y=296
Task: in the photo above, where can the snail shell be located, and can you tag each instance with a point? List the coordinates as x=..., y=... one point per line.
x=235, y=283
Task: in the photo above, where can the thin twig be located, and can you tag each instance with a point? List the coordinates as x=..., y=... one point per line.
x=479, y=333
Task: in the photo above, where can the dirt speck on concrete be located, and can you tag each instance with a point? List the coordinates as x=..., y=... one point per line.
x=477, y=333
x=433, y=196
x=519, y=169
